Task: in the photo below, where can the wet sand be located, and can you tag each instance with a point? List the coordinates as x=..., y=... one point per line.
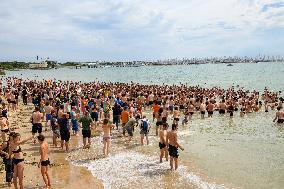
x=63, y=173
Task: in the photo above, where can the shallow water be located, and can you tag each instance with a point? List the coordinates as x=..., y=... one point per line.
x=247, y=152
x=131, y=166
x=219, y=152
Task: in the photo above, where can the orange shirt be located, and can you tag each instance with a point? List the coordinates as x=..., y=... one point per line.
x=124, y=116
x=156, y=108
x=85, y=102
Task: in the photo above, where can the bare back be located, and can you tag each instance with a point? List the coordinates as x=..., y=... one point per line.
x=37, y=117
x=163, y=136
x=172, y=138
x=106, y=130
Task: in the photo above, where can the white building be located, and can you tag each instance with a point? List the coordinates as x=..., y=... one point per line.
x=41, y=65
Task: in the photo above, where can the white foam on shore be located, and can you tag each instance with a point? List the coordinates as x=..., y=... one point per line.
x=133, y=169
x=196, y=180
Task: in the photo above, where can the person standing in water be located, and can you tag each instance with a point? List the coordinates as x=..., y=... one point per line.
x=173, y=147
x=156, y=108
x=159, y=121
x=279, y=116
x=210, y=109
x=129, y=127
x=222, y=107
x=106, y=135
x=44, y=160
x=145, y=127
x=202, y=109
x=163, y=142
x=176, y=115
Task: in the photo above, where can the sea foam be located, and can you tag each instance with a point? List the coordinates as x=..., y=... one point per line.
x=132, y=169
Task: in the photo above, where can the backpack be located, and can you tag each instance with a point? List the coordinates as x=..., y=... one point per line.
x=144, y=125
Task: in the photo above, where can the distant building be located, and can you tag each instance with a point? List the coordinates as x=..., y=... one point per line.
x=92, y=65
x=41, y=65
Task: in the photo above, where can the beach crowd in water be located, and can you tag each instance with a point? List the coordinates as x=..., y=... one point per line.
x=66, y=107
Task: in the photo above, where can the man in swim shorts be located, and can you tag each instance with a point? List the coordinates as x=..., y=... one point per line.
x=44, y=160
x=36, y=121
x=173, y=147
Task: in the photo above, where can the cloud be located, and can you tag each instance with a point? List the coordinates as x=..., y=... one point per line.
x=275, y=5
x=137, y=29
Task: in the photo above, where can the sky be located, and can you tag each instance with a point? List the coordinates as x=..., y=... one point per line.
x=123, y=30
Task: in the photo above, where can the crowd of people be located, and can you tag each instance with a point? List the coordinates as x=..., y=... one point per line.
x=65, y=107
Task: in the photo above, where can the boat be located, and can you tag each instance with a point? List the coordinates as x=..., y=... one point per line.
x=229, y=64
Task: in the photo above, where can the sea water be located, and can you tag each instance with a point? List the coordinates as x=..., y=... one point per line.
x=220, y=152
x=248, y=75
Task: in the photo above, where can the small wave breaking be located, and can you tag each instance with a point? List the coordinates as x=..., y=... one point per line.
x=132, y=169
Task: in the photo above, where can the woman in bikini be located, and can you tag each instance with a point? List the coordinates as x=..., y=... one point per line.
x=4, y=127
x=18, y=159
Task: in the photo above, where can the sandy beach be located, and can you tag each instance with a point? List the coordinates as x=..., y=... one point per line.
x=63, y=173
